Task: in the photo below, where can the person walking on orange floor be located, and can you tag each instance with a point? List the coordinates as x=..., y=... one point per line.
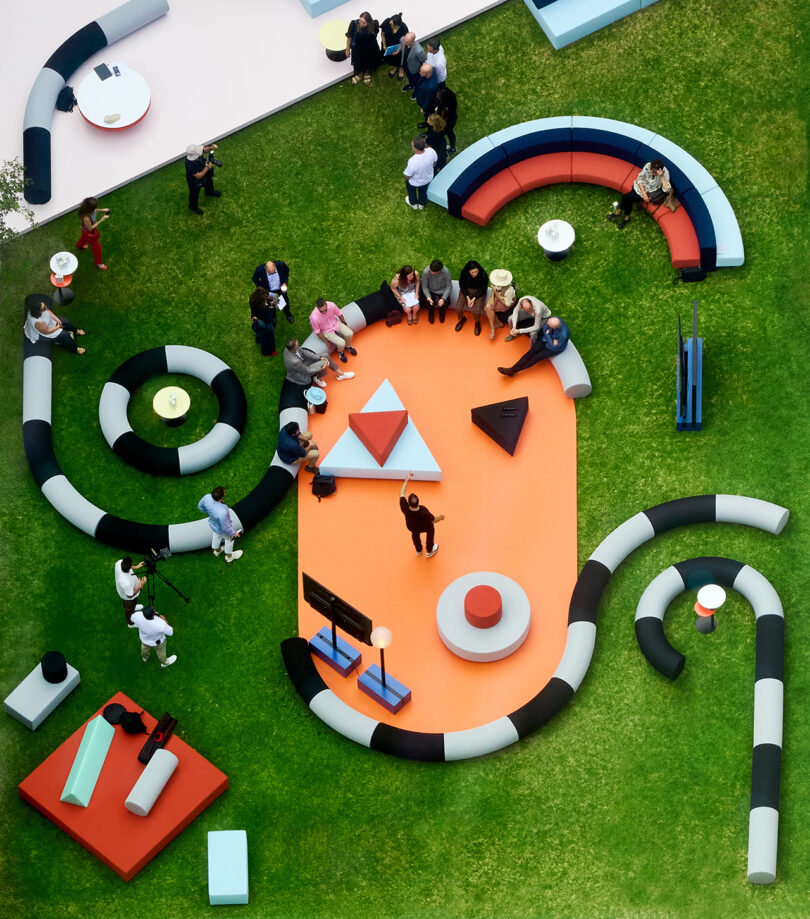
x=89, y=212
x=553, y=340
x=418, y=520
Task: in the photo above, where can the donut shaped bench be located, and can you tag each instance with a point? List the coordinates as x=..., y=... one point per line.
x=72, y=53
x=763, y=819
x=573, y=148
x=217, y=443
x=577, y=653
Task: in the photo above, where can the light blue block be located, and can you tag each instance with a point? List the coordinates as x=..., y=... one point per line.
x=730, y=250
x=700, y=177
x=90, y=756
x=317, y=7
x=566, y=21
x=642, y=135
x=227, y=867
x=530, y=127
x=647, y=3
x=437, y=190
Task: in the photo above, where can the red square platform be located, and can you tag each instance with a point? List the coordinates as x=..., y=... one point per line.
x=123, y=841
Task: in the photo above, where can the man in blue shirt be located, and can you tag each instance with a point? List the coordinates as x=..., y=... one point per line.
x=296, y=446
x=274, y=276
x=219, y=519
x=553, y=340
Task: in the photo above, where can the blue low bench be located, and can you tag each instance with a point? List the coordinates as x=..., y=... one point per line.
x=713, y=219
x=566, y=21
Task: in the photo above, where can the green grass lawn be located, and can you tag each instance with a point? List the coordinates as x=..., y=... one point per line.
x=632, y=802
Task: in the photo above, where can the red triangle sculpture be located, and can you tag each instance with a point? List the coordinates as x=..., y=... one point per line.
x=379, y=431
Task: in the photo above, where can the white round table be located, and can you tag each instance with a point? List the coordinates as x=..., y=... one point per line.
x=171, y=403
x=126, y=95
x=62, y=266
x=556, y=237
x=496, y=642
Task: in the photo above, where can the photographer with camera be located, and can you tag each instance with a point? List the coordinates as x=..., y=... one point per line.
x=128, y=585
x=199, y=173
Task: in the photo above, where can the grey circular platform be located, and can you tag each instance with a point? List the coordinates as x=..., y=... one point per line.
x=491, y=644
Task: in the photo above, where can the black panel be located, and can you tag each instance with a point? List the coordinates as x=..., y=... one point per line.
x=264, y=497
x=770, y=648
x=137, y=538
x=428, y=748
x=140, y=367
x=765, y=776
x=232, y=402
x=291, y=396
x=588, y=592
x=147, y=457
x=709, y=569
x=38, y=444
x=657, y=649
x=671, y=514
x=301, y=668
x=37, y=163
x=77, y=49
x=377, y=305
x=542, y=708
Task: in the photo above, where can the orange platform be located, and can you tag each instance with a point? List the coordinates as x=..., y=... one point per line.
x=120, y=839
x=512, y=515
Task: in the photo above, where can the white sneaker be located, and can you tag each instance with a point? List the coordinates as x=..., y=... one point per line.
x=169, y=661
x=218, y=551
x=131, y=625
x=433, y=551
x=420, y=207
x=408, y=202
x=138, y=607
x=319, y=382
x=234, y=556
x=349, y=375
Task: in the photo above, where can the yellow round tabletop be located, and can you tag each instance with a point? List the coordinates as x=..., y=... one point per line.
x=332, y=34
x=171, y=403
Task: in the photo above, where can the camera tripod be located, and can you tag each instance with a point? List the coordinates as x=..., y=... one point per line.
x=151, y=573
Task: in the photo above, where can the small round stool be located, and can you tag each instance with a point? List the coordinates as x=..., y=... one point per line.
x=709, y=599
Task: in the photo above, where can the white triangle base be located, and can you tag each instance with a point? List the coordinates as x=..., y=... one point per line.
x=351, y=460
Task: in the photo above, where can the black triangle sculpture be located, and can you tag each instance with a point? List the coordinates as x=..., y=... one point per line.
x=502, y=421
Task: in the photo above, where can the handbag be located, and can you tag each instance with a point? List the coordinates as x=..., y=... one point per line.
x=323, y=486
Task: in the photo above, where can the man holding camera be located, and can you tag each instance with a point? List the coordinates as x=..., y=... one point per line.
x=128, y=585
x=199, y=174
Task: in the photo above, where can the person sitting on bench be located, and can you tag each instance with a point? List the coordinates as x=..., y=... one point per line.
x=553, y=340
x=652, y=186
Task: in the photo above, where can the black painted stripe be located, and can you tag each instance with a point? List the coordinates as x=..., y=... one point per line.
x=147, y=457
x=378, y=304
x=232, y=401
x=140, y=367
x=656, y=648
x=770, y=648
x=135, y=537
x=542, y=708
x=37, y=162
x=75, y=50
x=671, y=514
x=291, y=396
x=264, y=497
x=709, y=569
x=38, y=444
x=42, y=346
x=418, y=745
x=301, y=668
x=588, y=592
x=765, y=776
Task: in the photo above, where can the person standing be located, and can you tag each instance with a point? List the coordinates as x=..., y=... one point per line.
x=419, y=173
x=436, y=138
x=436, y=288
x=393, y=31
x=413, y=55
x=199, y=174
x=89, y=212
x=425, y=92
x=362, y=47
x=263, y=320
x=436, y=58
x=153, y=630
x=553, y=340
x=274, y=276
x=418, y=520
x=219, y=519
x=128, y=585
x=447, y=107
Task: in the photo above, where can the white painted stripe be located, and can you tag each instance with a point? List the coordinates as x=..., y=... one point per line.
x=752, y=512
x=342, y=718
x=768, y=707
x=627, y=537
x=72, y=505
x=577, y=654
x=37, y=376
x=759, y=592
x=477, y=741
x=659, y=593
x=763, y=835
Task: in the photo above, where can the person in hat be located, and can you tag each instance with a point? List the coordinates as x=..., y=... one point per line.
x=316, y=398
x=296, y=447
x=501, y=302
x=153, y=630
x=199, y=174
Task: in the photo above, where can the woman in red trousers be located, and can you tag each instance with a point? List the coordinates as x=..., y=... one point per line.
x=92, y=217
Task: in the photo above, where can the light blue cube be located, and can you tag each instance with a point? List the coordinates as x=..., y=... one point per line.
x=227, y=867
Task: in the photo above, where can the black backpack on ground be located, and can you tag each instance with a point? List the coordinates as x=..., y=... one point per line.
x=323, y=486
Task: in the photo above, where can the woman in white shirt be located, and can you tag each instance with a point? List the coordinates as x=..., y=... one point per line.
x=40, y=321
x=405, y=287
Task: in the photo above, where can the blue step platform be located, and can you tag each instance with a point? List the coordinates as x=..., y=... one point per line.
x=341, y=656
x=392, y=696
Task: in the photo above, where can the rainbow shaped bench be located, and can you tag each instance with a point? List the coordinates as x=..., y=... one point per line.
x=484, y=177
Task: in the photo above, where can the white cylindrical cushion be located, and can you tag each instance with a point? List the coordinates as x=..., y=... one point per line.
x=659, y=593
x=353, y=316
x=572, y=372
x=343, y=718
x=42, y=99
x=627, y=537
x=759, y=592
x=72, y=505
x=751, y=511
x=208, y=450
x=194, y=362
x=112, y=411
x=481, y=740
x=763, y=834
x=186, y=537
x=577, y=654
x=129, y=17
x=37, y=375
x=151, y=783
x=768, y=707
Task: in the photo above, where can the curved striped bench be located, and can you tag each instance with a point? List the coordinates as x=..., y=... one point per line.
x=72, y=53
x=574, y=148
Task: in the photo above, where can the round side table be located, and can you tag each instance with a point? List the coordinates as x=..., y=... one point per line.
x=332, y=35
x=116, y=102
x=556, y=237
x=171, y=404
x=62, y=266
